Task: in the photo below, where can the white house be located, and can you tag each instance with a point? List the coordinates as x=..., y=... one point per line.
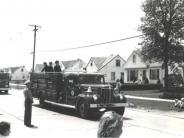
x=73, y=65
x=137, y=69
x=21, y=74
x=111, y=67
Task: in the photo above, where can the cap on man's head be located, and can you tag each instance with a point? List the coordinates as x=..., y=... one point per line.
x=27, y=82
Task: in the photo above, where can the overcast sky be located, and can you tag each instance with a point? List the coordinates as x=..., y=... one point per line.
x=65, y=24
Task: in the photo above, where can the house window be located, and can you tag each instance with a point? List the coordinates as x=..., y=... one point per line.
x=118, y=63
x=154, y=74
x=91, y=63
x=113, y=76
x=132, y=75
x=134, y=58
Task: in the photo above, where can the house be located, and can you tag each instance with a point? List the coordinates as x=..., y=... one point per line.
x=18, y=73
x=73, y=65
x=10, y=70
x=137, y=69
x=21, y=74
x=111, y=67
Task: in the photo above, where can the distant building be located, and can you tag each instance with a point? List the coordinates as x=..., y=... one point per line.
x=19, y=74
x=111, y=67
x=73, y=65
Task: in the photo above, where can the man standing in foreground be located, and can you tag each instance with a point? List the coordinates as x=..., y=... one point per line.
x=28, y=105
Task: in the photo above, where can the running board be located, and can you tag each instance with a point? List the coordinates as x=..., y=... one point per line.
x=63, y=105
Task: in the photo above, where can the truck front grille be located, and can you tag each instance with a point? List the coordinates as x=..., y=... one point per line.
x=106, y=95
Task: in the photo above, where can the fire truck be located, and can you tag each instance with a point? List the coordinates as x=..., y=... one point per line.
x=4, y=82
x=85, y=92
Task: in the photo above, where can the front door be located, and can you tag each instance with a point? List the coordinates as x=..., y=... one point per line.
x=144, y=75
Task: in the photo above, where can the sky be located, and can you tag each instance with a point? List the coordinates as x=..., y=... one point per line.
x=66, y=24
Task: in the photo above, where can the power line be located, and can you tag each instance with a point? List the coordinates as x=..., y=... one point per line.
x=93, y=45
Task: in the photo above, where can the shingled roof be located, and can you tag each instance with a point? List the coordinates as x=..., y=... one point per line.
x=74, y=65
x=38, y=67
x=100, y=62
x=11, y=69
x=69, y=63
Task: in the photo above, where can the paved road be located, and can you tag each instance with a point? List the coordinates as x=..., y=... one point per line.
x=62, y=122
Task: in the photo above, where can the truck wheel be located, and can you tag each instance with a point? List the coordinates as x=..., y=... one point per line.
x=41, y=102
x=6, y=92
x=83, y=109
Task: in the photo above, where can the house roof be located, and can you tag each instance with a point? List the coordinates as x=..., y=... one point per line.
x=11, y=69
x=109, y=59
x=100, y=62
x=138, y=52
x=38, y=67
x=71, y=63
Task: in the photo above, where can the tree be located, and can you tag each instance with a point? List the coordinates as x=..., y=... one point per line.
x=163, y=32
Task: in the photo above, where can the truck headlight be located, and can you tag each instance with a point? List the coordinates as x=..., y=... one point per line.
x=121, y=97
x=6, y=85
x=95, y=97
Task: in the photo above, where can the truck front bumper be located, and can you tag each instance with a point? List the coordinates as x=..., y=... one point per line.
x=108, y=105
x=4, y=89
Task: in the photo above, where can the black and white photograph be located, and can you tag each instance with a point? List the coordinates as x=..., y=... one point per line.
x=92, y=68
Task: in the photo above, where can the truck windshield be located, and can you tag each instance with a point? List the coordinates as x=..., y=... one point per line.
x=91, y=79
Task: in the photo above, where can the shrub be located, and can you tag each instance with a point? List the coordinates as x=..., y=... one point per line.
x=141, y=86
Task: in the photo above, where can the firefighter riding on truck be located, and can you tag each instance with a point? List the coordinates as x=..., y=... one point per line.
x=85, y=92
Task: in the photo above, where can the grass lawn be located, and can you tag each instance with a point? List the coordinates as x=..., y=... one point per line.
x=145, y=93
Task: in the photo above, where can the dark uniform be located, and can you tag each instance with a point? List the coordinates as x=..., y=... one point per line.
x=28, y=107
x=57, y=68
x=45, y=68
x=50, y=69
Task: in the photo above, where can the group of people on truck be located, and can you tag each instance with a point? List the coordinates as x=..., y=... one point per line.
x=50, y=68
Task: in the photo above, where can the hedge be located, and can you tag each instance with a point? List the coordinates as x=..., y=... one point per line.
x=141, y=86
x=173, y=92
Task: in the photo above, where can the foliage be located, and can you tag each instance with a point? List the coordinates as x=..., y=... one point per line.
x=175, y=80
x=163, y=24
x=163, y=29
x=133, y=86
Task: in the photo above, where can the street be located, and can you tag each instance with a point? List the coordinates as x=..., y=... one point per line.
x=62, y=122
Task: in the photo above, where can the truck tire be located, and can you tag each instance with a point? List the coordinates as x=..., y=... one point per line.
x=41, y=102
x=6, y=92
x=83, y=109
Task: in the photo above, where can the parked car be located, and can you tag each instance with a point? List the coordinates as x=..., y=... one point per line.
x=4, y=82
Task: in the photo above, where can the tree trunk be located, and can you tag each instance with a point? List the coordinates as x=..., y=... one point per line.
x=166, y=58
x=166, y=75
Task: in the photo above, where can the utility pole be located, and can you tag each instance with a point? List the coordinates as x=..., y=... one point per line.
x=35, y=29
